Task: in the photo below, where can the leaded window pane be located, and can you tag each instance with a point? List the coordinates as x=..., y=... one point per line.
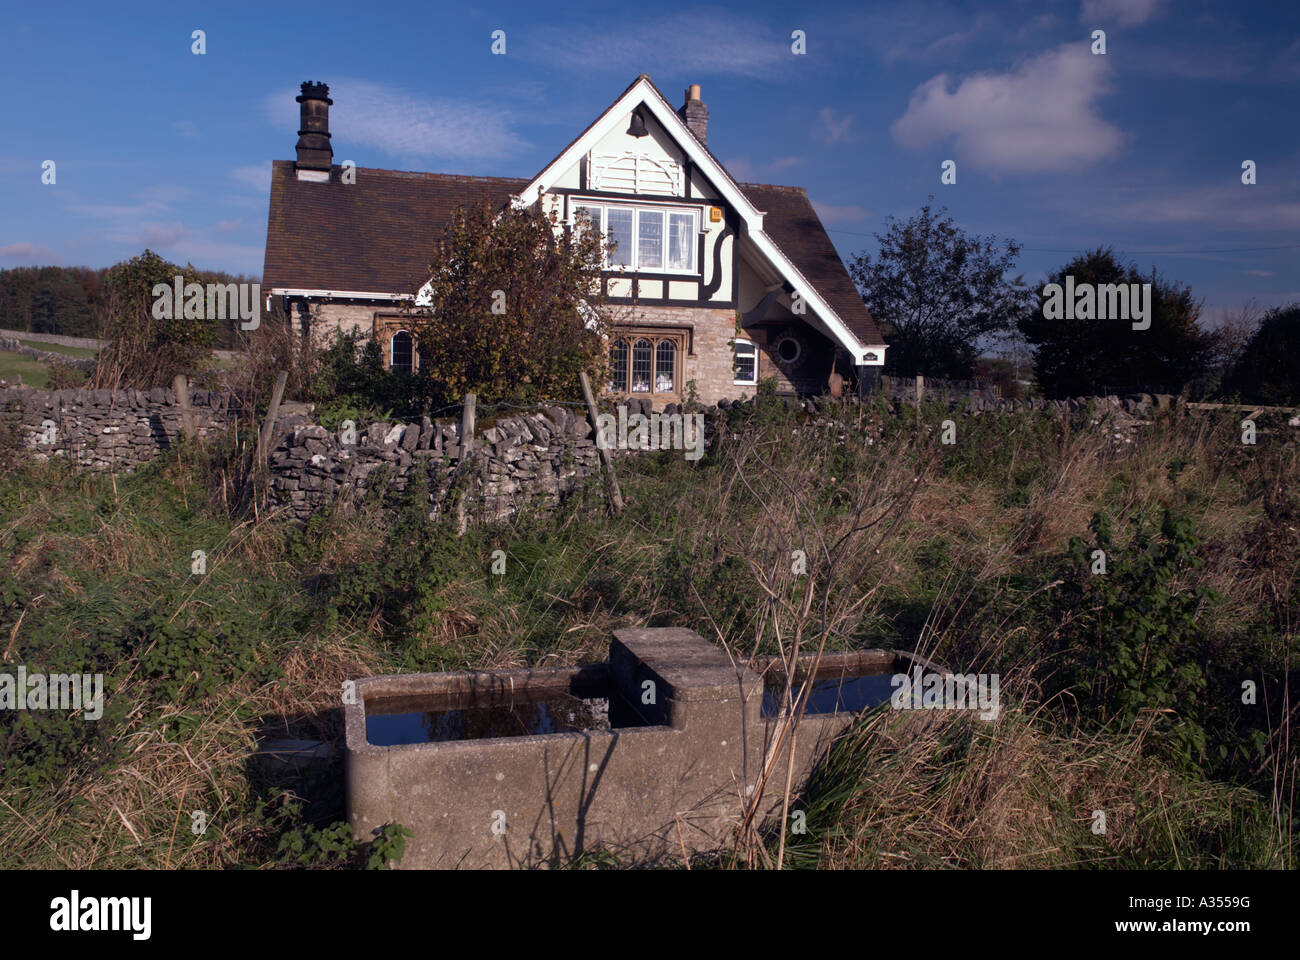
x=641, y=353
x=665, y=366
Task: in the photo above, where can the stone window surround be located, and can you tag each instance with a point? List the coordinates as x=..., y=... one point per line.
x=681, y=339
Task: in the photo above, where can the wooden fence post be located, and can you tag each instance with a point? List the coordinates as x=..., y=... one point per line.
x=468, y=406
x=268, y=428
x=182, y=387
x=611, y=480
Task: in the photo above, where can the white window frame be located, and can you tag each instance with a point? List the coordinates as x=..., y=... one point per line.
x=666, y=209
x=736, y=369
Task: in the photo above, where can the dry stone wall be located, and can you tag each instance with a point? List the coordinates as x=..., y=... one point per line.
x=14, y=345
x=532, y=458
x=106, y=429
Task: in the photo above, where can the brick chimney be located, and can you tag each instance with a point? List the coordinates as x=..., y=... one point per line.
x=314, y=151
x=695, y=113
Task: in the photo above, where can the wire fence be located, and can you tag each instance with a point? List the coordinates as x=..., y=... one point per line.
x=910, y=388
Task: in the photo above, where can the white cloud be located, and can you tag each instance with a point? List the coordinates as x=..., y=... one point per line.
x=120, y=211
x=829, y=213
x=28, y=254
x=783, y=163
x=1127, y=13
x=945, y=45
x=703, y=42
x=834, y=128
x=404, y=124
x=257, y=176
x=1043, y=116
x=1234, y=206
x=1286, y=67
x=151, y=234
x=741, y=169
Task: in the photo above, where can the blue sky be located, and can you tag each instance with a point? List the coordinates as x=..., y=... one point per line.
x=1056, y=147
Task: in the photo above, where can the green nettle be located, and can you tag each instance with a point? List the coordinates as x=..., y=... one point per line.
x=515, y=307
x=1129, y=637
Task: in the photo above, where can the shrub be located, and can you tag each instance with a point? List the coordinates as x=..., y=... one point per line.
x=144, y=350
x=515, y=307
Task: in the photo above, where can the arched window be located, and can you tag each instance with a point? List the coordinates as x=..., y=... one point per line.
x=665, y=366
x=618, y=366
x=401, y=355
x=641, y=354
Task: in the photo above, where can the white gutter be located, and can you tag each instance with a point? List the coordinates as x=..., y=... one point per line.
x=338, y=294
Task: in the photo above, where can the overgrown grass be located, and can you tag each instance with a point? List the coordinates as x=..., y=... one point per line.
x=966, y=553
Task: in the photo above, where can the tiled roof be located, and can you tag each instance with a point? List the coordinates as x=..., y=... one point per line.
x=376, y=235
x=793, y=225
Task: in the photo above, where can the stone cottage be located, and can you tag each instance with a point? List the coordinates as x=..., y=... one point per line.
x=718, y=283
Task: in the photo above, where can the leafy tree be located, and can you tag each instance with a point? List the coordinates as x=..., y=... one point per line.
x=1077, y=357
x=938, y=292
x=1268, y=369
x=514, y=311
x=143, y=350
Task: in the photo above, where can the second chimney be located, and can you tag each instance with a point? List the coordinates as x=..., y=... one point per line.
x=315, y=154
x=695, y=113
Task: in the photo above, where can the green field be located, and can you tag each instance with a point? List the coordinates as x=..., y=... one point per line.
x=34, y=372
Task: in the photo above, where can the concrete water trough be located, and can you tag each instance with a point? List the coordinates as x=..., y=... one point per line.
x=651, y=753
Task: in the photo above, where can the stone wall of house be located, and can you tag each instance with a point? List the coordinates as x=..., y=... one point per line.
x=106, y=429
x=331, y=319
x=710, y=362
